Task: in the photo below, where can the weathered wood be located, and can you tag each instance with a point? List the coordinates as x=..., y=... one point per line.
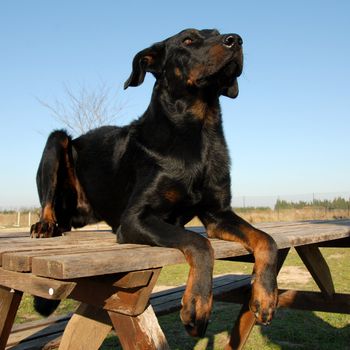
x=51, y=244
x=318, y=268
x=106, y=293
x=89, y=234
x=16, y=234
x=133, y=279
x=86, y=330
x=22, y=261
x=9, y=302
x=100, y=263
x=77, y=257
x=140, y=332
x=40, y=286
x=38, y=330
x=82, y=265
x=39, y=333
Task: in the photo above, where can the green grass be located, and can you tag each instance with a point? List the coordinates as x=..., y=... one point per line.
x=290, y=329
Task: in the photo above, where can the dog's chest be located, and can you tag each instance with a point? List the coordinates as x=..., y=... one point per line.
x=189, y=183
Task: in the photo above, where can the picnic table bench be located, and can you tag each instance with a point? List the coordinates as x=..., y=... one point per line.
x=114, y=282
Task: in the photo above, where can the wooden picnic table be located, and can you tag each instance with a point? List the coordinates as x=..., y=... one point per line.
x=114, y=282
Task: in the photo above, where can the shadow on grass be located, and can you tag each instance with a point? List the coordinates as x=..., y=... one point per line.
x=294, y=329
x=291, y=329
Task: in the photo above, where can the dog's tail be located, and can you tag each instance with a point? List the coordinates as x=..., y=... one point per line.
x=45, y=307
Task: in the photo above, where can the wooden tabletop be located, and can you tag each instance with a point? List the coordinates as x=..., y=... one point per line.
x=92, y=253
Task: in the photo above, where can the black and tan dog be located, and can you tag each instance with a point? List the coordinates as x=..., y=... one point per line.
x=148, y=179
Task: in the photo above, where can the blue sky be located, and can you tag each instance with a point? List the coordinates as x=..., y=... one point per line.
x=288, y=131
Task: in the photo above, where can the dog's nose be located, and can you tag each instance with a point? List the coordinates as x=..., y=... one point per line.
x=231, y=40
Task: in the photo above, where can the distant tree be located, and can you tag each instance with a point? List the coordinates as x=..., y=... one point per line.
x=336, y=203
x=85, y=109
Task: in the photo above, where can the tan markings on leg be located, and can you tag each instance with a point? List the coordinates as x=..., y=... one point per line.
x=69, y=166
x=190, y=279
x=264, y=286
x=254, y=240
x=64, y=143
x=204, y=308
x=72, y=180
x=263, y=303
x=196, y=301
x=48, y=214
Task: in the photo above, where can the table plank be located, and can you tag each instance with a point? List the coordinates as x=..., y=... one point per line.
x=82, y=258
x=100, y=263
x=21, y=261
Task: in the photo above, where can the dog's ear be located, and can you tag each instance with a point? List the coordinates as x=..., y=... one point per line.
x=231, y=91
x=147, y=60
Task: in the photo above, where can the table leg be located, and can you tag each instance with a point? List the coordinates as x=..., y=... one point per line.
x=86, y=330
x=9, y=302
x=242, y=328
x=139, y=332
x=318, y=268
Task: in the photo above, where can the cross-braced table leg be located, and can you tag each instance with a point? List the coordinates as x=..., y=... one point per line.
x=9, y=302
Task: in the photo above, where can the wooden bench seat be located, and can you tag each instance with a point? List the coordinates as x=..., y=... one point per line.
x=36, y=334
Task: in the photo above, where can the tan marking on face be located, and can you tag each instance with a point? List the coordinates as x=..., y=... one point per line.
x=217, y=54
x=177, y=72
x=195, y=73
x=172, y=196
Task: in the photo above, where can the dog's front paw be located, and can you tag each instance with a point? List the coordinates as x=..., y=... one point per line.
x=195, y=314
x=264, y=300
x=43, y=229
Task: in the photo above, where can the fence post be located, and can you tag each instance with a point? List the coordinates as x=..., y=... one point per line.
x=18, y=218
x=29, y=218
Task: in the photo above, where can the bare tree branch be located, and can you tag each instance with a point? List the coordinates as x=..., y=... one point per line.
x=85, y=110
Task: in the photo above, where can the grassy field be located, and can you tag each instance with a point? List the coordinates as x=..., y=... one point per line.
x=290, y=329
x=25, y=219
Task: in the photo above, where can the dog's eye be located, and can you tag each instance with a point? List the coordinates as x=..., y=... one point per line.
x=188, y=41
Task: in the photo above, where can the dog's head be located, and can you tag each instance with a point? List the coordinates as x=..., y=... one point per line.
x=193, y=60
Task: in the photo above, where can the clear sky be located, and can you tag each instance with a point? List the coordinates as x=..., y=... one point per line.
x=288, y=131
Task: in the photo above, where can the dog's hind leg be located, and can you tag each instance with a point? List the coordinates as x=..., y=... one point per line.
x=52, y=175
